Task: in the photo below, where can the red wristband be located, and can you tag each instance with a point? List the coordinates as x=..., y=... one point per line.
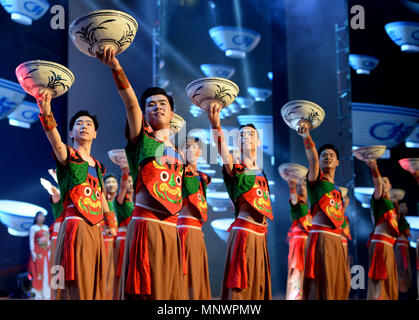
x=375, y=173
x=48, y=121
x=125, y=176
x=121, y=79
x=308, y=143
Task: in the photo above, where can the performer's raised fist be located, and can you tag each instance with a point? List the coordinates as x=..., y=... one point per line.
x=44, y=102
x=303, y=128
x=107, y=56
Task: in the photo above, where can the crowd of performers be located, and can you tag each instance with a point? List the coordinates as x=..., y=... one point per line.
x=145, y=240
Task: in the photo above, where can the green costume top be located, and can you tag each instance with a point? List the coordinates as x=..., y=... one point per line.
x=194, y=190
x=383, y=210
x=252, y=185
x=326, y=196
x=124, y=211
x=157, y=167
x=81, y=185
x=404, y=226
x=57, y=208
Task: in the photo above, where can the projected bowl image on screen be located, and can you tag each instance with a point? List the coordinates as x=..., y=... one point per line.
x=236, y=42
x=25, y=11
x=18, y=216
x=217, y=70
x=11, y=95
x=220, y=227
x=103, y=28
x=405, y=34
x=37, y=76
x=363, y=195
x=363, y=64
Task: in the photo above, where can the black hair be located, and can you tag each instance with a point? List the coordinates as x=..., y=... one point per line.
x=82, y=113
x=193, y=140
x=36, y=216
x=251, y=125
x=328, y=146
x=110, y=175
x=152, y=91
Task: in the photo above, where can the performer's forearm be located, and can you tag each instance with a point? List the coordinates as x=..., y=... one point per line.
x=222, y=148
x=54, y=138
x=123, y=188
x=128, y=96
x=312, y=157
x=293, y=195
x=378, y=182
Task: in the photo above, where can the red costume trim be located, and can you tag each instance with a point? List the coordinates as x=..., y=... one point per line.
x=68, y=258
x=121, y=234
x=404, y=251
x=297, y=239
x=237, y=270
x=378, y=269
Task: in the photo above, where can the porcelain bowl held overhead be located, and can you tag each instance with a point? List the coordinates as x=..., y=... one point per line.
x=369, y=152
x=344, y=191
x=410, y=164
x=103, y=28
x=37, y=76
x=363, y=195
x=236, y=42
x=118, y=157
x=176, y=124
x=291, y=170
x=397, y=194
x=202, y=92
x=296, y=110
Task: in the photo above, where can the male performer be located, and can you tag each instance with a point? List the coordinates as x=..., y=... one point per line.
x=111, y=187
x=402, y=247
x=325, y=277
x=247, y=273
x=189, y=224
x=152, y=259
x=79, y=248
x=346, y=236
x=382, y=274
x=297, y=238
x=124, y=206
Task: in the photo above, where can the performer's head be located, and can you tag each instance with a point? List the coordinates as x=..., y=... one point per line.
x=386, y=184
x=192, y=148
x=403, y=209
x=302, y=188
x=83, y=126
x=328, y=157
x=130, y=184
x=111, y=183
x=157, y=107
x=248, y=138
x=39, y=218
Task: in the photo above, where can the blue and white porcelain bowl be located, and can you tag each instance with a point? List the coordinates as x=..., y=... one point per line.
x=25, y=11
x=217, y=70
x=202, y=92
x=363, y=64
x=11, y=95
x=24, y=115
x=374, y=124
x=294, y=111
x=220, y=227
x=119, y=157
x=18, y=216
x=259, y=94
x=412, y=141
x=405, y=34
x=103, y=28
x=234, y=41
x=410, y=164
x=264, y=125
x=35, y=76
x=363, y=195
x=369, y=152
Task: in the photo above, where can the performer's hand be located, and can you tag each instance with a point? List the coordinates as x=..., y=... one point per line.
x=56, y=197
x=106, y=55
x=44, y=102
x=303, y=128
x=214, y=115
x=110, y=232
x=372, y=163
x=292, y=183
x=125, y=170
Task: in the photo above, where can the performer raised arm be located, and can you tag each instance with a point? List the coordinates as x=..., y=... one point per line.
x=247, y=269
x=327, y=211
x=152, y=263
x=382, y=274
x=79, y=248
x=297, y=238
x=191, y=218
